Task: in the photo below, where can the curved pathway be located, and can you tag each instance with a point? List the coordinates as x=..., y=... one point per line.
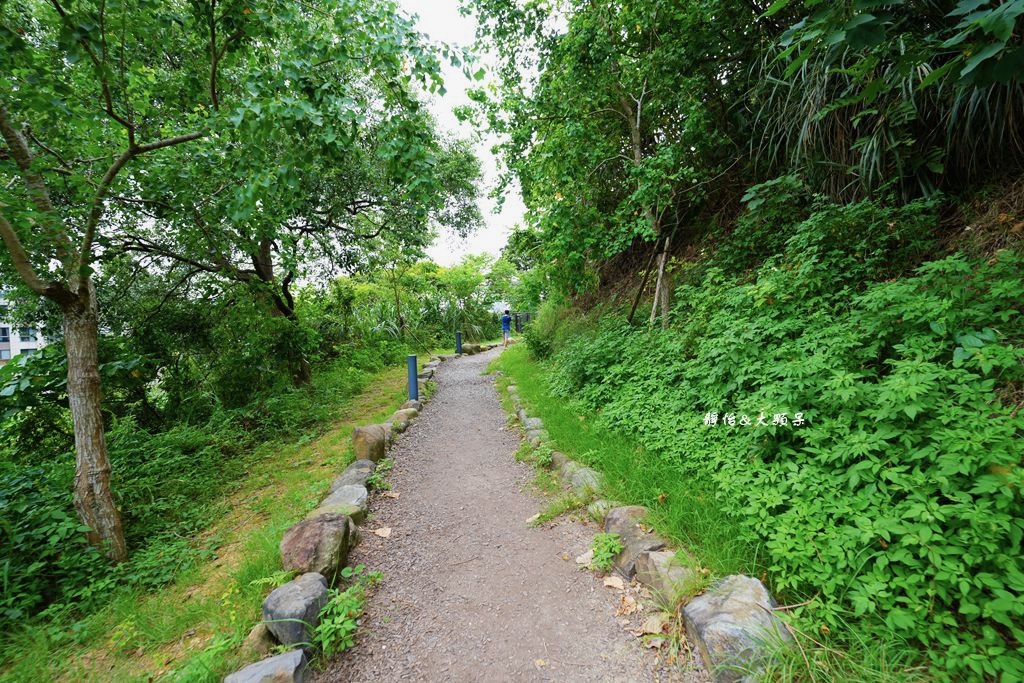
x=470, y=591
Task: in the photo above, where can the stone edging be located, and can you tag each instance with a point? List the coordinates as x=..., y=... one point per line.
x=317, y=549
x=733, y=623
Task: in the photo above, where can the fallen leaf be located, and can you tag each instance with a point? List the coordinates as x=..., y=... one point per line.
x=391, y=494
x=585, y=559
x=614, y=582
x=565, y=556
x=533, y=519
x=654, y=624
x=654, y=643
x=383, y=532
x=540, y=663
x=627, y=605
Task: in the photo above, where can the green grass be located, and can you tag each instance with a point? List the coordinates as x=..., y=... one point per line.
x=565, y=503
x=875, y=659
x=681, y=509
x=192, y=629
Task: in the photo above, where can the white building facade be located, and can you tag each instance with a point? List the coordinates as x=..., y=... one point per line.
x=15, y=340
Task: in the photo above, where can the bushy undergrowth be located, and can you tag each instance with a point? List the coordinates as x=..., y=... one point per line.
x=898, y=498
x=167, y=484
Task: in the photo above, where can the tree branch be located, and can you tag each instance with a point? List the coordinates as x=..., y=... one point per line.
x=20, y=257
x=35, y=184
x=108, y=99
x=23, y=157
x=85, y=251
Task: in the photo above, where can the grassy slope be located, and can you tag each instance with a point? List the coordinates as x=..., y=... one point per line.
x=192, y=629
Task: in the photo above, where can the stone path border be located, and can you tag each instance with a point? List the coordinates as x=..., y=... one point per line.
x=733, y=623
x=317, y=547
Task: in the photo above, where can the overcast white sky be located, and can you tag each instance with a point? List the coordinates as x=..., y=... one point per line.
x=441, y=21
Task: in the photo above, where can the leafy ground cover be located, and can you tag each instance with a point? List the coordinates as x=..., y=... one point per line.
x=703, y=526
x=856, y=422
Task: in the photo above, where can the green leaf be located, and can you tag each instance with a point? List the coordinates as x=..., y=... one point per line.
x=776, y=7
x=980, y=57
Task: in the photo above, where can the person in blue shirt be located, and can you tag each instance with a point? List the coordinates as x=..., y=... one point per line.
x=506, y=327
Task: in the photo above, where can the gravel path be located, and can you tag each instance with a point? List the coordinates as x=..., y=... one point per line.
x=470, y=592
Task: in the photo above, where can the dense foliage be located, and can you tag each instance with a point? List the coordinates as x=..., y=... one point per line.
x=249, y=145
x=898, y=498
x=814, y=167
x=640, y=122
x=215, y=223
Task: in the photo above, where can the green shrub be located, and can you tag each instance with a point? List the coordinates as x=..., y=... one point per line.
x=899, y=499
x=774, y=208
x=339, y=618
x=45, y=554
x=552, y=326
x=167, y=484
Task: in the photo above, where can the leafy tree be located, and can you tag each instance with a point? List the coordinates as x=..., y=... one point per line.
x=627, y=120
x=98, y=117
x=904, y=96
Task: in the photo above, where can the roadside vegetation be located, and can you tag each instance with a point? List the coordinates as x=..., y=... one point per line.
x=225, y=267
x=776, y=252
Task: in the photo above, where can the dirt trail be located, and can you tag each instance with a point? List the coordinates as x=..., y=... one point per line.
x=470, y=592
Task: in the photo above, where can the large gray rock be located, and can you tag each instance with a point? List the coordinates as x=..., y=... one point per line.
x=521, y=414
x=471, y=349
x=537, y=436
x=432, y=365
x=558, y=460
x=568, y=469
x=287, y=668
x=533, y=423
x=355, y=474
x=426, y=373
x=625, y=521
x=351, y=500
x=404, y=415
x=370, y=442
x=732, y=624
x=585, y=482
x=348, y=495
x=600, y=508
x=320, y=544
x=292, y=611
x=415, y=405
x=669, y=581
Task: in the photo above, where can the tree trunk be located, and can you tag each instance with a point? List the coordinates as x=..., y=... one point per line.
x=661, y=293
x=666, y=295
x=93, y=498
x=278, y=300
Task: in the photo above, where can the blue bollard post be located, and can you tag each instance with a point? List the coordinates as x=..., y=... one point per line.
x=414, y=388
x=458, y=342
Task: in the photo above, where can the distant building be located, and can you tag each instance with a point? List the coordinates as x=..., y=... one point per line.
x=16, y=339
